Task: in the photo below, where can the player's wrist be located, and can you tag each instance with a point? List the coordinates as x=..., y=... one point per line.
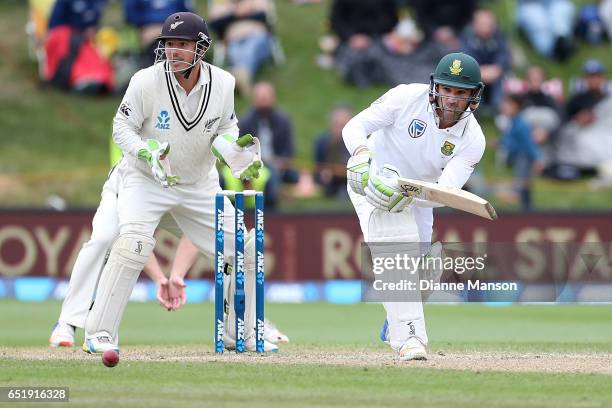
x=361, y=150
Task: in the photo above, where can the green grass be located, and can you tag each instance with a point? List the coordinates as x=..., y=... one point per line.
x=328, y=329
x=164, y=384
x=551, y=328
x=56, y=143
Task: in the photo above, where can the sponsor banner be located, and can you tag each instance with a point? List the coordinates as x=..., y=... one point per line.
x=299, y=248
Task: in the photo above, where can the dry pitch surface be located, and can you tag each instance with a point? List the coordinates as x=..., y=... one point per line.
x=503, y=361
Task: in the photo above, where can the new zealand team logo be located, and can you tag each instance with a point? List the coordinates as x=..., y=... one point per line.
x=163, y=121
x=210, y=122
x=417, y=128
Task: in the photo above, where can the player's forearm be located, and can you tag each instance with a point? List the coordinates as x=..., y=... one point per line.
x=355, y=137
x=125, y=136
x=185, y=257
x=153, y=270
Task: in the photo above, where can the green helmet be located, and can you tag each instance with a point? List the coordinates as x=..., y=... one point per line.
x=457, y=70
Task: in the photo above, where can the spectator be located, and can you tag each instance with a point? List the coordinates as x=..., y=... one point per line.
x=243, y=25
x=541, y=112
x=274, y=129
x=451, y=14
x=548, y=25
x=590, y=26
x=520, y=150
x=148, y=16
x=584, y=141
x=359, y=25
x=81, y=15
x=331, y=154
x=535, y=95
x=406, y=58
x=486, y=43
x=580, y=106
x=72, y=61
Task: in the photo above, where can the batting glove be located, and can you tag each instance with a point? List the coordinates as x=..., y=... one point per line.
x=155, y=154
x=358, y=171
x=382, y=191
x=242, y=155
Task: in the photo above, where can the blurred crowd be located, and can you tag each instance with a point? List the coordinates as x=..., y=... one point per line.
x=545, y=126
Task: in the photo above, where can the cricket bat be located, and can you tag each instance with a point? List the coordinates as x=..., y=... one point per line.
x=449, y=196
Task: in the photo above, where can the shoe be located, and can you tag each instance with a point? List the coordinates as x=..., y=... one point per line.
x=99, y=343
x=413, y=349
x=272, y=334
x=249, y=345
x=384, y=332
x=62, y=335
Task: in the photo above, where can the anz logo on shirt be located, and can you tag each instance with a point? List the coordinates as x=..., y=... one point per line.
x=163, y=120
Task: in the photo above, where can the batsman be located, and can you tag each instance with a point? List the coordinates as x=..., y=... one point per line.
x=423, y=132
x=179, y=111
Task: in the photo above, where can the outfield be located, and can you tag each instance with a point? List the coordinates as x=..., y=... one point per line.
x=492, y=356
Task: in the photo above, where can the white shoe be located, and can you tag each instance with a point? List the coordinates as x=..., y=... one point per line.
x=272, y=334
x=98, y=343
x=249, y=344
x=62, y=335
x=413, y=349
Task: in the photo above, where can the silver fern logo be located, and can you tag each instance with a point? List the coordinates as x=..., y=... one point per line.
x=210, y=122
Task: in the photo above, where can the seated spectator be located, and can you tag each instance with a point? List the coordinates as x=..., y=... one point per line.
x=243, y=26
x=149, y=16
x=274, y=129
x=72, y=61
x=548, y=25
x=519, y=148
x=451, y=14
x=404, y=56
x=486, y=43
x=536, y=94
x=541, y=112
x=584, y=141
x=359, y=26
x=580, y=106
x=590, y=26
x=331, y=154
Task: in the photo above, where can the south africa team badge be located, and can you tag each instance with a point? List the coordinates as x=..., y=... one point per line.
x=447, y=148
x=417, y=128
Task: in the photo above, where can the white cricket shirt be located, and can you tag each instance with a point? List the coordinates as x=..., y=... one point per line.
x=155, y=108
x=404, y=134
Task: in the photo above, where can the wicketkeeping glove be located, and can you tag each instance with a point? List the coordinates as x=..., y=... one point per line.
x=358, y=171
x=155, y=154
x=242, y=155
x=382, y=191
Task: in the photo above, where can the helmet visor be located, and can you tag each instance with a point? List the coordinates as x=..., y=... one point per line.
x=179, y=59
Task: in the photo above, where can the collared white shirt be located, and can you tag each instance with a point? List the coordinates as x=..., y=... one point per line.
x=404, y=134
x=156, y=107
x=190, y=103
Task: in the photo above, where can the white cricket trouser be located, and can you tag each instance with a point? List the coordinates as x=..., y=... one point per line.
x=143, y=201
x=88, y=265
x=89, y=262
x=405, y=319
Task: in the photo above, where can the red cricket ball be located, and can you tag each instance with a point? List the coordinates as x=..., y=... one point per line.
x=110, y=358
